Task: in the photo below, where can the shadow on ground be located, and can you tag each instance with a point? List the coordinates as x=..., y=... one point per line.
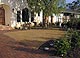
x=28, y=46
x=31, y=47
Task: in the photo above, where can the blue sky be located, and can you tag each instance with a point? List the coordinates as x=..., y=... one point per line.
x=68, y=1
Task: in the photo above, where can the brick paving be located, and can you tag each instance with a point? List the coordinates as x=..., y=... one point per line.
x=9, y=48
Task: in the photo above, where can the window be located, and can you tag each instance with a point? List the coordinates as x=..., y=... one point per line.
x=25, y=15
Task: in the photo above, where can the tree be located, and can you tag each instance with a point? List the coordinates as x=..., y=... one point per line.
x=48, y=6
x=75, y=5
x=34, y=5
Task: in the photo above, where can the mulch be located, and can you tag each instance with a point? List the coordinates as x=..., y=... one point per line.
x=10, y=48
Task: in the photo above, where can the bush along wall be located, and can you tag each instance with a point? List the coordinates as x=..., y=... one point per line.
x=73, y=23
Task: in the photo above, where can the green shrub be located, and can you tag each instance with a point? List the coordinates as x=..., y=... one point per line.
x=62, y=46
x=69, y=42
x=74, y=23
x=57, y=24
x=73, y=37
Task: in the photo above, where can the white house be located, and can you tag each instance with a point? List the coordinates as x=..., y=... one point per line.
x=9, y=10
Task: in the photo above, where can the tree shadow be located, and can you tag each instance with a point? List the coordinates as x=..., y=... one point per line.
x=30, y=43
x=29, y=46
x=29, y=50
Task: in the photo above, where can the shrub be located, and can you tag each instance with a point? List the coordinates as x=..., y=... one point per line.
x=62, y=46
x=68, y=45
x=57, y=24
x=73, y=37
x=69, y=42
x=78, y=24
x=73, y=23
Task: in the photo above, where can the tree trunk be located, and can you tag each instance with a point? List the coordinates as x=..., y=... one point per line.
x=51, y=21
x=46, y=21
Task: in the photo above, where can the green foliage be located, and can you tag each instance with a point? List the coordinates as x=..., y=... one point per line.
x=57, y=24
x=78, y=23
x=35, y=5
x=48, y=6
x=69, y=42
x=62, y=46
x=53, y=6
x=75, y=5
x=73, y=38
x=74, y=23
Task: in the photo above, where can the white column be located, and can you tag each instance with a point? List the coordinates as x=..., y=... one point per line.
x=0, y=1
x=29, y=16
x=41, y=16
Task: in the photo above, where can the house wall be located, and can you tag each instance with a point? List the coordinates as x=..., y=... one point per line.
x=11, y=19
x=8, y=11
x=7, y=14
x=56, y=18
x=38, y=19
x=77, y=16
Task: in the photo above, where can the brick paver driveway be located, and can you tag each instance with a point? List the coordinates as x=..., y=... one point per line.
x=9, y=48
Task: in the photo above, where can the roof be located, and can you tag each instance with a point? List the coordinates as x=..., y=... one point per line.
x=71, y=11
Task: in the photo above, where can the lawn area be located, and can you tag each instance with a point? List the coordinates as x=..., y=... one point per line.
x=39, y=35
x=34, y=38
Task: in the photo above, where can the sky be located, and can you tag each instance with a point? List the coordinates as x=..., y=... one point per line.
x=68, y=1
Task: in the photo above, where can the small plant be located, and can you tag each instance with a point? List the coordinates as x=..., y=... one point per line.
x=57, y=24
x=62, y=46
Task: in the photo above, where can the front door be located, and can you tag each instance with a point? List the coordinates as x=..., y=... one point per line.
x=2, y=16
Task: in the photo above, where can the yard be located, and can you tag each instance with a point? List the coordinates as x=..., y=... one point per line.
x=39, y=35
x=34, y=38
